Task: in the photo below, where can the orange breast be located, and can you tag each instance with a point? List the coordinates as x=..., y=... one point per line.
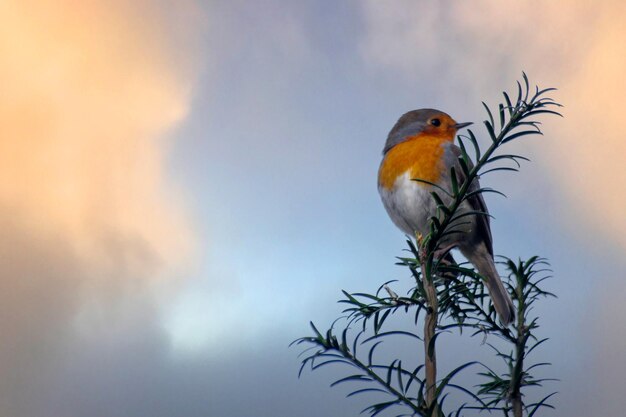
x=421, y=155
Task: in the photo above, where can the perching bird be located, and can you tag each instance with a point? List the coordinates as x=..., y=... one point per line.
x=421, y=146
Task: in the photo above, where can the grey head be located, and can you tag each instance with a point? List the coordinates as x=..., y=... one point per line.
x=415, y=122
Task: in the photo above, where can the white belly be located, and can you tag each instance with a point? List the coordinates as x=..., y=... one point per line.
x=409, y=205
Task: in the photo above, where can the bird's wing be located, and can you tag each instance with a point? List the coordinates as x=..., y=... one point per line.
x=476, y=201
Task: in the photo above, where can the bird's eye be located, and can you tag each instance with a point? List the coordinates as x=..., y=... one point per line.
x=435, y=122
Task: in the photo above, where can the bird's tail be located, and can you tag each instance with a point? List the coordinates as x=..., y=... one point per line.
x=499, y=295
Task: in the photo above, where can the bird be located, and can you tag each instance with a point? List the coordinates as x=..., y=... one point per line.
x=421, y=147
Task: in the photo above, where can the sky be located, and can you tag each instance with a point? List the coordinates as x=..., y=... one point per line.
x=185, y=186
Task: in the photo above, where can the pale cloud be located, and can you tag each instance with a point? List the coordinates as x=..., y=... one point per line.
x=89, y=92
x=589, y=150
x=465, y=47
x=470, y=50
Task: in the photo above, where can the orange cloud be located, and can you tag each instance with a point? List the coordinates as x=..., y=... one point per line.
x=88, y=93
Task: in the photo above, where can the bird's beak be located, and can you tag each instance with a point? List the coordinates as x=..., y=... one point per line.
x=461, y=125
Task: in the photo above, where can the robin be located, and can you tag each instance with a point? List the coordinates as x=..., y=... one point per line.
x=421, y=146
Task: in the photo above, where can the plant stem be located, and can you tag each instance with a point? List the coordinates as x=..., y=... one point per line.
x=430, y=324
x=516, y=395
x=520, y=347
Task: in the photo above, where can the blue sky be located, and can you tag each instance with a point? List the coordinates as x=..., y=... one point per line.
x=206, y=186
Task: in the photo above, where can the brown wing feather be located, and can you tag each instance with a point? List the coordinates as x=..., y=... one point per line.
x=476, y=202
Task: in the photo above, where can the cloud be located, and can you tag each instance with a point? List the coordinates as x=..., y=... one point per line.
x=89, y=94
x=466, y=50
x=589, y=148
x=85, y=102
x=461, y=48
